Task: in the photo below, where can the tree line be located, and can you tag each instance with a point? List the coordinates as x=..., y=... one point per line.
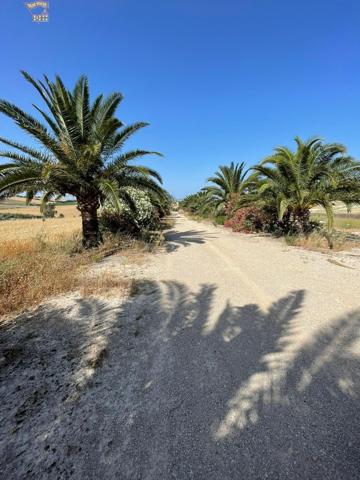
x=277, y=195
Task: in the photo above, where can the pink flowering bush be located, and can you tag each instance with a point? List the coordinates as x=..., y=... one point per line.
x=247, y=220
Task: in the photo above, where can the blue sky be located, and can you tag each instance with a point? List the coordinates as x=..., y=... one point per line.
x=218, y=81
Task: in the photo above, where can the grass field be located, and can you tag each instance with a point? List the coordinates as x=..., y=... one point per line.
x=40, y=258
x=343, y=220
x=35, y=253
x=66, y=223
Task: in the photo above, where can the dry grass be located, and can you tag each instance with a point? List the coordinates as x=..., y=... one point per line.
x=52, y=229
x=19, y=201
x=342, y=221
x=15, y=202
x=40, y=258
x=66, y=210
x=339, y=208
x=318, y=242
x=31, y=272
x=106, y=286
x=36, y=269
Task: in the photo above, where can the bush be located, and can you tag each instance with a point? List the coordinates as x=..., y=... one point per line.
x=292, y=224
x=142, y=215
x=194, y=204
x=247, y=220
x=117, y=222
x=220, y=219
x=264, y=219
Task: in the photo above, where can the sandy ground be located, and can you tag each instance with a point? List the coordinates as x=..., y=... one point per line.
x=237, y=358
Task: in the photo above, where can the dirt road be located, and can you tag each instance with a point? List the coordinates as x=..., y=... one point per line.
x=238, y=358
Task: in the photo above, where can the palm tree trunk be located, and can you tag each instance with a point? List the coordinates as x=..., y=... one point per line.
x=90, y=224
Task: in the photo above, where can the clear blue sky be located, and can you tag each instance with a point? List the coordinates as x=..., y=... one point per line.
x=219, y=81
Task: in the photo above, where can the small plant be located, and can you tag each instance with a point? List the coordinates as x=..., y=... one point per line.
x=220, y=220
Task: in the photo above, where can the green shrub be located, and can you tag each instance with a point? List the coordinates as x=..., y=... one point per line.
x=132, y=216
x=220, y=219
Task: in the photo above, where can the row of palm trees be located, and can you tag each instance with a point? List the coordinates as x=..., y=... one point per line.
x=287, y=182
x=79, y=151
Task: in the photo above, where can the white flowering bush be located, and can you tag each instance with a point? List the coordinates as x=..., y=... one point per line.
x=141, y=216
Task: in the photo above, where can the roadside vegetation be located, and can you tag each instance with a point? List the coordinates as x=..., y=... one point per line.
x=46, y=245
x=80, y=153
x=115, y=205
x=36, y=269
x=277, y=195
x=40, y=258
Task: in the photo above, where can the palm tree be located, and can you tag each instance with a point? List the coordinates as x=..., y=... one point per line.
x=194, y=203
x=81, y=151
x=292, y=182
x=229, y=185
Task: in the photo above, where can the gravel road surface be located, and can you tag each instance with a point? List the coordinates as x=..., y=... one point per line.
x=236, y=358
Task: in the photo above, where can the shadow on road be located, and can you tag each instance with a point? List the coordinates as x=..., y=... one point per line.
x=168, y=395
x=176, y=239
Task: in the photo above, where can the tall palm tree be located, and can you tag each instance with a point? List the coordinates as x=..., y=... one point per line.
x=293, y=182
x=80, y=154
x=229, y=184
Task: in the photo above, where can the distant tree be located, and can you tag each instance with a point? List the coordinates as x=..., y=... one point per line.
x=194, y=203
x=229, y=184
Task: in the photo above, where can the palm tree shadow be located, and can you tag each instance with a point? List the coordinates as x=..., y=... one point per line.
x=246, y=396
x=177, y=396
x=175, y=239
